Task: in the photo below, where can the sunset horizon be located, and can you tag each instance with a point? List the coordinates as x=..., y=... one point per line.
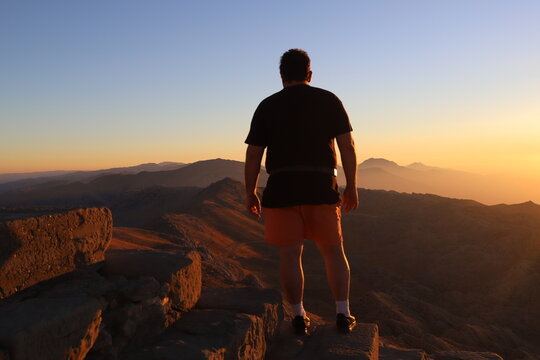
x=106, y=92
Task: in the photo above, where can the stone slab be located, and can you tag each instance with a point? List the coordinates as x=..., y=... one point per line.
x=179, y=272
x=36, y=249
x=208, y=335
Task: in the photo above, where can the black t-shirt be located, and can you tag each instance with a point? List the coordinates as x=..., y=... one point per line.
x=298, y=125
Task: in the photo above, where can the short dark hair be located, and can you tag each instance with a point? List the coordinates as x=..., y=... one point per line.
x=294, y=65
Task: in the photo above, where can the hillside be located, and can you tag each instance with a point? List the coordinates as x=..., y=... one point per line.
x=434, y=273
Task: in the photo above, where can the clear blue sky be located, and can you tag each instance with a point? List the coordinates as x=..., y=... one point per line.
x=94, y=84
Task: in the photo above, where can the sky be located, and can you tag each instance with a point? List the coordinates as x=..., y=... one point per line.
x=99, y=84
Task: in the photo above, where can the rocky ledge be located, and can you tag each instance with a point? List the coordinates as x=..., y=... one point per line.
x=35, y=246
x=144, y=300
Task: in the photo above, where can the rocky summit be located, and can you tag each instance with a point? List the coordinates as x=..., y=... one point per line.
x=189, y=286
x=136, y=295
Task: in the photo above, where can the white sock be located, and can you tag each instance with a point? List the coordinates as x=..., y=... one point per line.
x=342, y=307
x=298, y=310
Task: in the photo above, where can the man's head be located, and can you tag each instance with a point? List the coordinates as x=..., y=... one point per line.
x=294, y=67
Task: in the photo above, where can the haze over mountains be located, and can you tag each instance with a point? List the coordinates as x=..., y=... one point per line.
x=372, y=174
x=17, y=180
x=419, y=178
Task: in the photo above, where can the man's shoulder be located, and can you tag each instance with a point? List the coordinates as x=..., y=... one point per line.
x=274, y=97
x=323, y=93
x=313, y=91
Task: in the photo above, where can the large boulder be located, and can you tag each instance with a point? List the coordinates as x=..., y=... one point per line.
x=133, y=323
x=44, y=246
x=179, y=272
x=50, y=328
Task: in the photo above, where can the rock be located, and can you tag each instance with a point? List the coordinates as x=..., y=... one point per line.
x=179, y=271
x=264, y=303
x=35, y=249
x=465, y=355
x=390, y=352
x=133, y=323
x=286, y=346
x=323, y=342
x=361, y=343
x=252, y=280
x=50, y=328
x=208, y=334
x=141, y=289
x=80, y=283
x=103, y=342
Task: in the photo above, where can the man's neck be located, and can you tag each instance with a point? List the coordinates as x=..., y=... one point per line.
x=295, y=82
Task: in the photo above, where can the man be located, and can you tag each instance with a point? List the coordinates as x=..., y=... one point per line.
x=298, y=126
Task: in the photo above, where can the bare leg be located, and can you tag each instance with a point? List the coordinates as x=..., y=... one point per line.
x=291, y=272
x=337, y=270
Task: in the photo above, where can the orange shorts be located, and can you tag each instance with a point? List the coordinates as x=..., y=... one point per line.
x=291, y=225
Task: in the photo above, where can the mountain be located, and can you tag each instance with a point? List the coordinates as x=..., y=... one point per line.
x=374, y=173
x=10, y=177
x=420, y=166
x=378, y=162
x=99, y=189
x=383, y=174
x=20, y=180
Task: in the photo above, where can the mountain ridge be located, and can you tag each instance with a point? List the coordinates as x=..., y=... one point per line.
x=374, y=173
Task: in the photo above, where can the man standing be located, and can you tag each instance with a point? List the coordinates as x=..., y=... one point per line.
x=297, y=126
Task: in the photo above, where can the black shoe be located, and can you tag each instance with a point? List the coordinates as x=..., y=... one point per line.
x=300, y=325
x=345, y=324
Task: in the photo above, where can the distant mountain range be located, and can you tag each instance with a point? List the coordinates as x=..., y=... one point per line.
x=92, y=189
x=17, y=180
x=419, y=178
x=81, y=175
x=372, y=174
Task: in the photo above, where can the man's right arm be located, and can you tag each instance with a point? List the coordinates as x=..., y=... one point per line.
x=252, y=167
x=348, y=160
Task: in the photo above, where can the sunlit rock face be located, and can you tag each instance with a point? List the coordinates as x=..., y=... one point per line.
x=37, y=244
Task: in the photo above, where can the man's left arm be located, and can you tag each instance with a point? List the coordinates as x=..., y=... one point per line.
x=252, y=168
